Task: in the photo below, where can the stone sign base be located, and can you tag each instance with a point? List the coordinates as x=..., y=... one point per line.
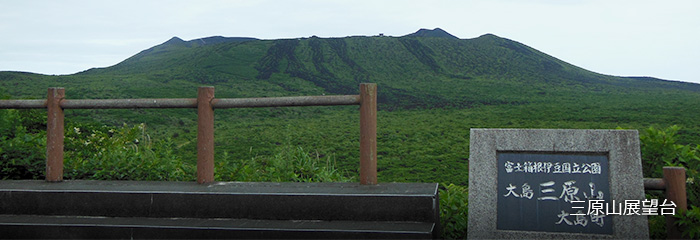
x=541, y=182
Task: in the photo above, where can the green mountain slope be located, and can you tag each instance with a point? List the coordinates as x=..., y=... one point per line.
x=433, y=87
x=429, y=68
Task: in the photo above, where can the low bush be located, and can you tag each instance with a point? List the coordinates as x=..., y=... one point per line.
x=121, y=153
x=454, y=209
x=659, y=148
x=22, y=144
x=288, y=164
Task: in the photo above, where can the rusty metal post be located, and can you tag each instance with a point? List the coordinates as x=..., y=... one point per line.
x=54, y=135
x=205, y=135
x=674, y=177
x=368, y=133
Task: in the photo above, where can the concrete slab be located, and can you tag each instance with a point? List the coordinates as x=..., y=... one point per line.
x=41, y=227
x=284, y=201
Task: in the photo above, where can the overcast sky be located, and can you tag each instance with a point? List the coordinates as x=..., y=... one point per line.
x=659, y=38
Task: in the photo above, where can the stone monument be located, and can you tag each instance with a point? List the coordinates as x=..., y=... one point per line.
x=555, y=183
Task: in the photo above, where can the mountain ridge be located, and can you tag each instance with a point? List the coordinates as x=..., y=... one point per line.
x=428, y=68
x=436, y=32
x=422, y=33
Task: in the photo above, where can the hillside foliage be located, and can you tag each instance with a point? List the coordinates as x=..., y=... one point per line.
x=432, y=89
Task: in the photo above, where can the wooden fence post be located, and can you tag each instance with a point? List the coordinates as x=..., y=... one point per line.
x=54, y=135
x=674, y=179
x=205, y=135
x=368, y=133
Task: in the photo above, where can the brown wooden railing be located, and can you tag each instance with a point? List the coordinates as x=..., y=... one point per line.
x=673, y=183
x=205, y=103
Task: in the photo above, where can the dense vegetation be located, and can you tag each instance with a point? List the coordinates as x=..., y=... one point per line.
x=432, y=89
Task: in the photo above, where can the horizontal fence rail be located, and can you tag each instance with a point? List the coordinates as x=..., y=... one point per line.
x=22, y=104
x=205, y=103
x=286, y=101
x=129, y=103
x=654, y=184
x=188, y=102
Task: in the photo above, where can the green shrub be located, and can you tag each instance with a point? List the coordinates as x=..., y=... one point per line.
x=123, y=153
x=22, y=144
x=288, y=164
x=453, y=211
x=659, y=148
x=689, y=221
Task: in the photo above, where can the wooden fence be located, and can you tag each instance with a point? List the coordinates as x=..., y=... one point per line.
x=205, y=103
x=673, y=182
x=673, y=185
